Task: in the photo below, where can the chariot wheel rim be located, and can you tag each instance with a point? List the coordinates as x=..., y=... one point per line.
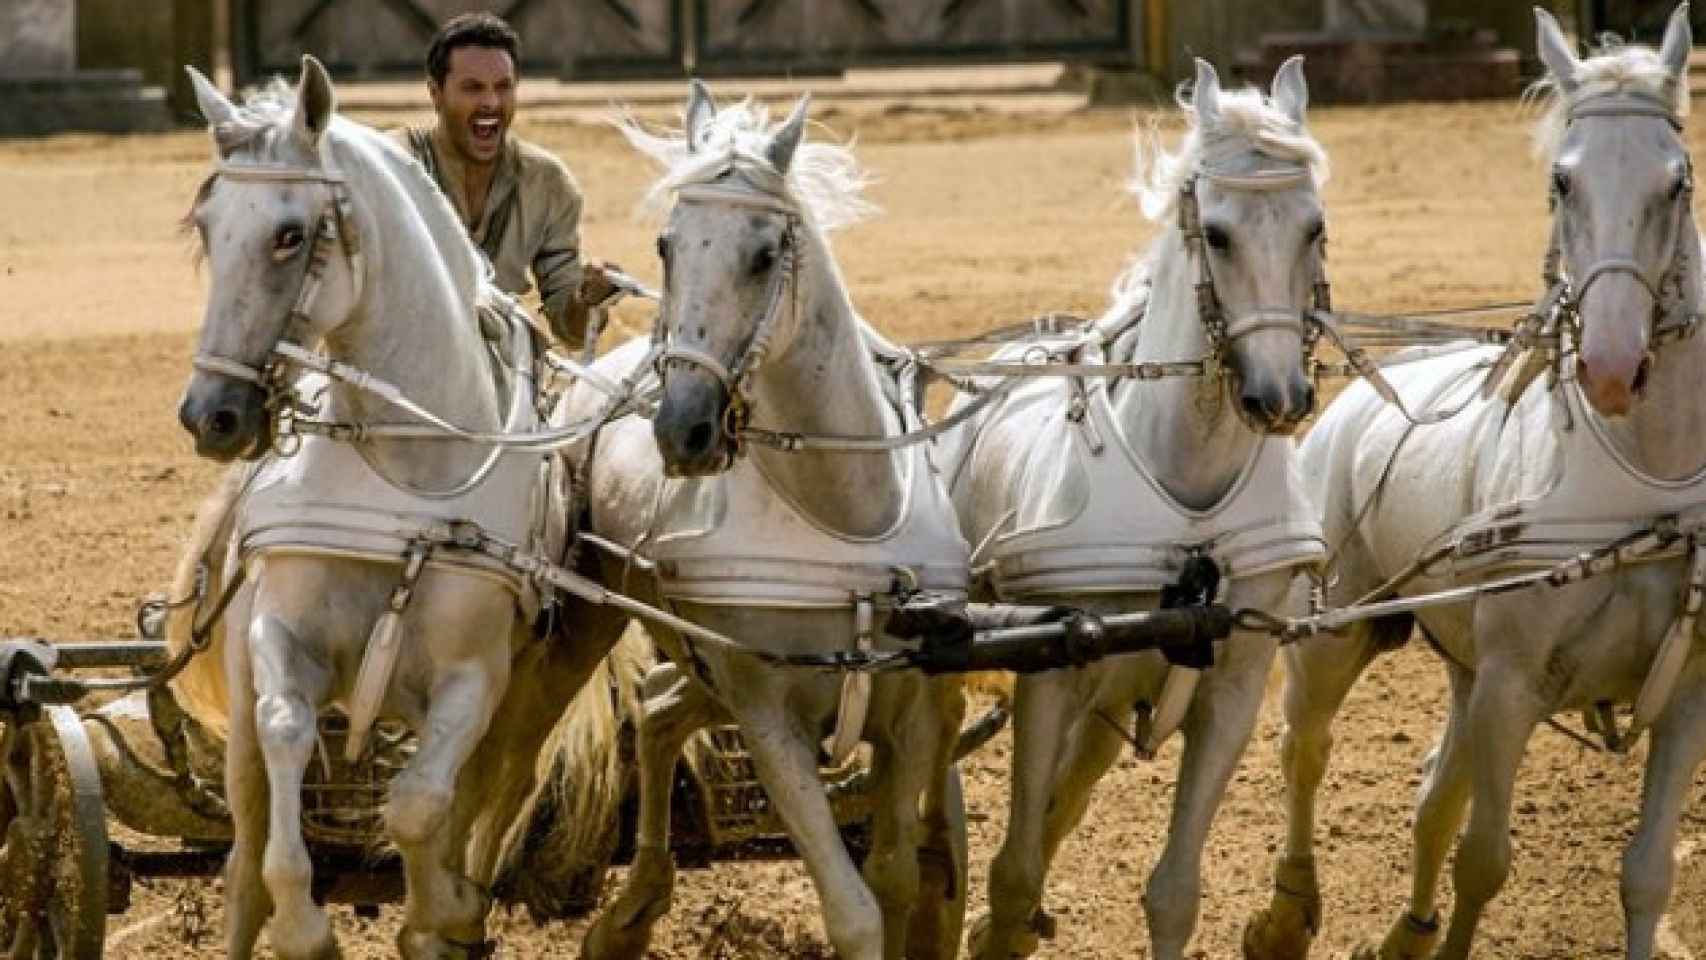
x=53, y=841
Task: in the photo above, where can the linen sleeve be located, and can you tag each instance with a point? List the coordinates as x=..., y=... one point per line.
x=557, y=266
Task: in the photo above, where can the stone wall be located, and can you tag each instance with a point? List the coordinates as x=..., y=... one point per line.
x=36, y=37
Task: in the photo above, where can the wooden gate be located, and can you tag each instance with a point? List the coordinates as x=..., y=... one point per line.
x=773, y=36
x=376, y=37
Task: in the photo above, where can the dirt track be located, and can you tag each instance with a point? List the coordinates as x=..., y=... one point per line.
x=990, y=216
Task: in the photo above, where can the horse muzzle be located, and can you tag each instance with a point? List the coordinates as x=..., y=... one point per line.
x=1612, y=361
x=227, y=417
x=1276, y=409
x=688, y=426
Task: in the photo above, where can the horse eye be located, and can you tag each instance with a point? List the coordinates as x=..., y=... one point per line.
x=286, y=242
x=763, y=260
x=1217, y=238
x=663, y=247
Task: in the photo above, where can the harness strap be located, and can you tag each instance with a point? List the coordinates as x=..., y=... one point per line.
x=227, y=367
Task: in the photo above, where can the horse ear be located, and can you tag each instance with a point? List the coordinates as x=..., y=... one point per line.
x=787, y=139
x=315, y=100
x=1555, y=51
x=1290, y=90
x=215, y=108
x=1205, y=94
x=1679, y=40
x=700, y=108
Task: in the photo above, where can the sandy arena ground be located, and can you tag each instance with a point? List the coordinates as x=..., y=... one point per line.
x=993, y=213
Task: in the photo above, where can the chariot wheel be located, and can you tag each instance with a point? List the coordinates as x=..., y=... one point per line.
x=53, y=840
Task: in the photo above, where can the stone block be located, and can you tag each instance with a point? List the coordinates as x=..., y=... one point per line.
x=37, y=36
x=101, y=101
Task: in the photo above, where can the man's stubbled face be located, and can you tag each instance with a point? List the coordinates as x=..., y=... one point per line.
x=476, y=102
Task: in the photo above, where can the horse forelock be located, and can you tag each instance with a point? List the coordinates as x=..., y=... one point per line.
x=1252, y=133
x=1614, y=68
x=824, y=181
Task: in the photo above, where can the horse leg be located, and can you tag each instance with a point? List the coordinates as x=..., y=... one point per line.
x=1649, y=864
x=785, y=756
x=943, y=853
x=1439, y=814
x=502, y=774
x=289, y=687
x=676, y=707
x=1217, y=728
x=1501, y=717
x=1318, y=675
x=247, y=904
x=892, y=867
x=1044, y=708
x=445, y=912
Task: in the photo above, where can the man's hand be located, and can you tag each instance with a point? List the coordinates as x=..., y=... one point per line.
x=596, y=288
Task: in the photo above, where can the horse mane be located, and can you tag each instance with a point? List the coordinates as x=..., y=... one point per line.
x=824, y=180
x=1613, y=67
x=1251, y=128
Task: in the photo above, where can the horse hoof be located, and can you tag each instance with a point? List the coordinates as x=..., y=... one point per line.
x=1286, y=929
x=1409, y=939
x=983, y=945
x=428, y=945
x=1277, y=935
x=625, y=930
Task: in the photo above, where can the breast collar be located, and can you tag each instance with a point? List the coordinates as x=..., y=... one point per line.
x=737, y=538
x=1089, y=515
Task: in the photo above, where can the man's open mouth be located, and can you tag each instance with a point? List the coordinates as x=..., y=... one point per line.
x=486, y=129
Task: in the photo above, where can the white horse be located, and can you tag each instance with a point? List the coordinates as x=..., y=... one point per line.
x=318, y=230
x=1095, y=492
x=796, y=552
x=1564, y=456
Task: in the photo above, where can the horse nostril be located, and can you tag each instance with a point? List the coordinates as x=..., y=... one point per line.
x=700, y=437
x=223, y=423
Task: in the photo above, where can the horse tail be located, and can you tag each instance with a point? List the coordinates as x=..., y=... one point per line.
x=200, y=688
x=571, y=827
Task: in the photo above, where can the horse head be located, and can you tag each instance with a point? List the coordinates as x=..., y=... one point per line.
x=276, y=227
x=731, y=251
x=1622, y=187
x=1251, y=211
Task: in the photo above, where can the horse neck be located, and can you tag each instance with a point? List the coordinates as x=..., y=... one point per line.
x=1184, y=428
x=1662, y=433
x=414, y=326
x=825, y=382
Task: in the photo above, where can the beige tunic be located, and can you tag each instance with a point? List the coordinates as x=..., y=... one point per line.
x=531, y=221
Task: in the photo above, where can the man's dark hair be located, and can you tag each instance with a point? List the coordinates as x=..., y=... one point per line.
x=470, y=30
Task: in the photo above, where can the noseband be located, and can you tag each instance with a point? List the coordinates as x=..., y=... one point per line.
x=1568, y=294
x=783, y=289
x=1224, y=331
x=336, y=229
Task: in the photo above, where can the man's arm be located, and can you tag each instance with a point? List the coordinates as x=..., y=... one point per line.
x=557, y=266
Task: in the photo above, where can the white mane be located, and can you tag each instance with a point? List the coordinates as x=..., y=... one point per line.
x=824, y=180
x=1614, y=67
x=1251, y=129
